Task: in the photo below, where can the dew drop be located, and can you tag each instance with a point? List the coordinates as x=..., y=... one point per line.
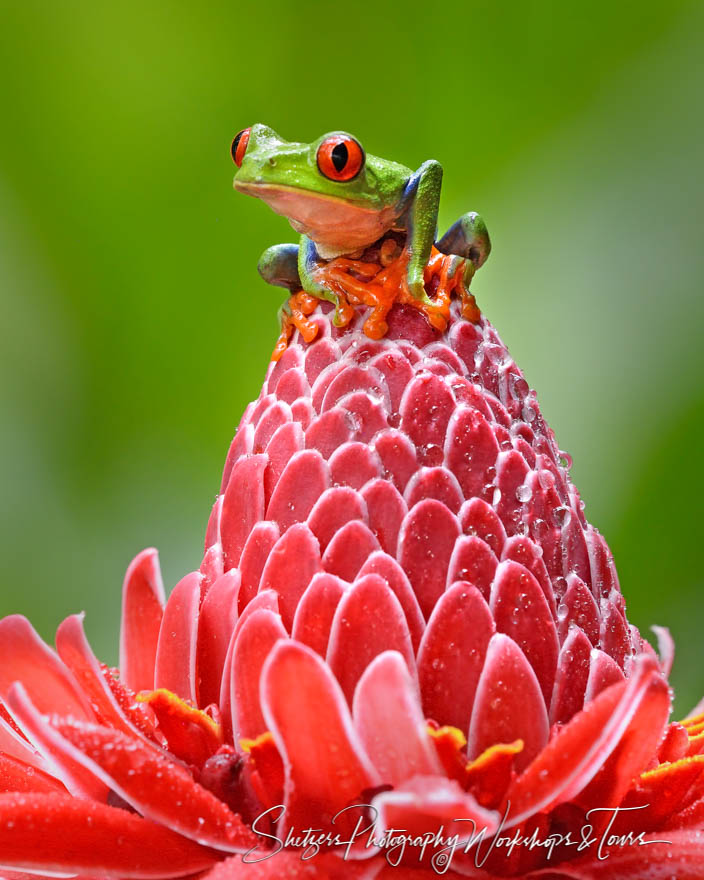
x=565, y=459
x=524, y=493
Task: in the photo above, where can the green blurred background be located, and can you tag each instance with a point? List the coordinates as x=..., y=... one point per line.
x=127, y=264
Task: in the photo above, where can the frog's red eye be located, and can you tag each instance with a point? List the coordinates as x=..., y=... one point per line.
x=340, y=157
x=239, y=146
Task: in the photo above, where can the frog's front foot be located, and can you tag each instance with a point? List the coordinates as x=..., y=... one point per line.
x=343, y=313
x=416, y=287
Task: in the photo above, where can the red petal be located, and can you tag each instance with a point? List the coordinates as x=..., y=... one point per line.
x=523, y=550
x=671, y=855
x=212, y=532
x=332, y=510
x=59, y=833
x=636, y=747
x=451, y=655
x=397, y=372
x=427, y=803
x=275, y=417
x=354, y=464
x=579, y=749
x=386, y=510
x=426, y=541
x=571, y=678
x=442, y=352
x=15, y=775
x=323, y=382
x=212, y=566
x=367, y=415
x=349, y=550
x=368, y=621
x=398, y=456
x=329, y=431
x=218, y=616
x=303, y=481
x=286, y=442
x=76, y=653
x=316, y=610
x=393, y=731
x=178, y=640
x=666, y=648
x=603, y=573
x=520, y=611
x=158, y=788
x=660, y=794
x=425, y=410
x=290, y=567
x=603, y=672
x=258, y=635
x=51, y=687
x=254, y=556
x=60, y=758
x=302, y=411
x=615, y=634
x=256, y=410
x=241, y=445
x=243, y=505
x=324, y=773
x=268, y=601
x=675, y=743
x=472, y=560
x=478, y=518
x=288, y=864
x=319, y=356
x=291, y=359
x=578, y=607
x=574, y=546
x=434, y=482
x=511, y=474
x=509, y=704
x=387, y=567
x=354, y=378
x=292, y=386
x=14, y=743
x=470, y=450
x=142, y=609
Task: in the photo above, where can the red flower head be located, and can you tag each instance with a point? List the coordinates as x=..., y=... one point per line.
x=402, y=621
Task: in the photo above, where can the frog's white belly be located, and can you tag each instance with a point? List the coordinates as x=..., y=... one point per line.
x=336, y=226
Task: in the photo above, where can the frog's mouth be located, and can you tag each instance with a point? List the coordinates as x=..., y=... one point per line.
x=337, y=226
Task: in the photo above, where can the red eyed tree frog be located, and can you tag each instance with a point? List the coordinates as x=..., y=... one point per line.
x=343, y=200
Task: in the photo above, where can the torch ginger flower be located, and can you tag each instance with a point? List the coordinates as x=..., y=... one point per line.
x=401, y=610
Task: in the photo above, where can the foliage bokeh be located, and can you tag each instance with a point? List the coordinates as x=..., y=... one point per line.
x=134, y=326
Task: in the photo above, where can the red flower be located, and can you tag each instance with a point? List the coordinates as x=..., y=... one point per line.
x=402, y=615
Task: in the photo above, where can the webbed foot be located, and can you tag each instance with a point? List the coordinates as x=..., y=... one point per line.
x=278, y=265
x=467, y=237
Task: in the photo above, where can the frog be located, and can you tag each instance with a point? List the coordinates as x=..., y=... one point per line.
x=342, y=200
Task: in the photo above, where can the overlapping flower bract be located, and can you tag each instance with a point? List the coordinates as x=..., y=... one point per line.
x=401, y=610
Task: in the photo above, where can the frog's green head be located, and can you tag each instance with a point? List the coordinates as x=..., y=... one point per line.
x=329, y=190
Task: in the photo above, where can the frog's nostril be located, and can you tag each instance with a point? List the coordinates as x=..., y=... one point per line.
x=272, y=161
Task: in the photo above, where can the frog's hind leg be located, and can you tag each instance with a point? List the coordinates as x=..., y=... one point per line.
x=467, y=238
x=278, y=265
